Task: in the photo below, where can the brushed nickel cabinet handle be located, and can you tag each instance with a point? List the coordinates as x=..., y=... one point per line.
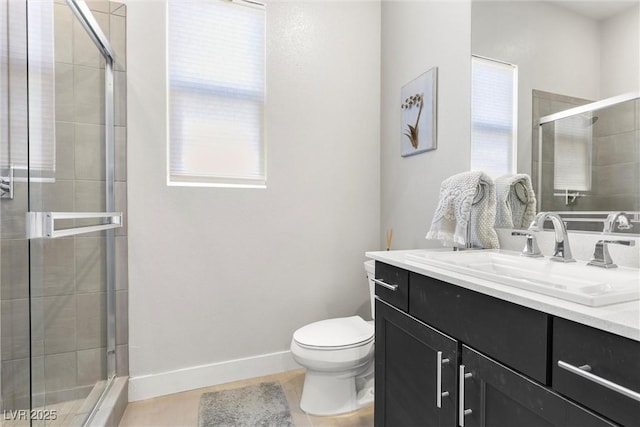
x=385, y=285
x=439, y=393
x=462, y=412
x=583, y=371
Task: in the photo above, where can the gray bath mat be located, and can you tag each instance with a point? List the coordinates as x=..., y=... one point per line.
x=261, y=404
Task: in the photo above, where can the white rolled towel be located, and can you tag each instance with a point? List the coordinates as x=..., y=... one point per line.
x=455, y=210
x=515, y=201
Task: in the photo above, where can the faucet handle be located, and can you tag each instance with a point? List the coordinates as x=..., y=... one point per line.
x=602, y=258
x=531, y=248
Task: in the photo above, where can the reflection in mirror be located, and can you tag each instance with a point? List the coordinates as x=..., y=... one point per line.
x=591, y=159
x=569, y=54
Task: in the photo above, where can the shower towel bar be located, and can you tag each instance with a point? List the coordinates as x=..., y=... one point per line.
x=42, y=224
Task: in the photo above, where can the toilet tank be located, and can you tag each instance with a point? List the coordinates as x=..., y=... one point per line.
x=370, y=268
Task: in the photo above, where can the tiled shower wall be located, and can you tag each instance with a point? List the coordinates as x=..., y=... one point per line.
x=616, y=163
x=68, y=295
x=545, y=103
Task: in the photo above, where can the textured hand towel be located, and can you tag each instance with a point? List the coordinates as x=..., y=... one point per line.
x=512, y=211
x=455, y=210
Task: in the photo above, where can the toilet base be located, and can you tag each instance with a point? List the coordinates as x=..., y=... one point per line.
x=324, y=394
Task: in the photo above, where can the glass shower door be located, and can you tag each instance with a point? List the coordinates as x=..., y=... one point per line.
x=14, y=248
x=70, y=219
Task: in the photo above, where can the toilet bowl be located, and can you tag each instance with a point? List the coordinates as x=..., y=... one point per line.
x=338, y=357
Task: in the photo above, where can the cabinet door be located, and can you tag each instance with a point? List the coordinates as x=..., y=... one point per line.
x=413, y=365
x=494, y=395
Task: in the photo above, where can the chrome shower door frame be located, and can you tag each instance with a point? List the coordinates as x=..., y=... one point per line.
x=88, y=22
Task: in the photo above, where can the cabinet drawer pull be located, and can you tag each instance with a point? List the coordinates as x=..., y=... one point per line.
x=462, y=412
x=439, y=393
x=583, y=371
x=385, y=285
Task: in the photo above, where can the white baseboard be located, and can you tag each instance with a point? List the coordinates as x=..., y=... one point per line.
x=148, y=386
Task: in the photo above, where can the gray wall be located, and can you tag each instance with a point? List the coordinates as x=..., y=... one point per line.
x=415, y=37
x=221, y=278
x=558, y=51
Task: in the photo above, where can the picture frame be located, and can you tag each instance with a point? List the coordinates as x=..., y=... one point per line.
x=418, y=100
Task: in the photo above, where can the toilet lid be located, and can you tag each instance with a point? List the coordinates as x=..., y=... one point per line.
x=340, y=332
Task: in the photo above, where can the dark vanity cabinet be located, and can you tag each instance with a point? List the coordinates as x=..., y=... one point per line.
x=510, y=333
x=415, y=368
x=449, y=356
x=597, y=369
x=495, y=395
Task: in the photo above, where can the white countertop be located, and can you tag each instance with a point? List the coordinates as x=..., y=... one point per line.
x=621, y=319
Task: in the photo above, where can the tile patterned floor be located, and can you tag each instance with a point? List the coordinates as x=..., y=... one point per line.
x=181, y=409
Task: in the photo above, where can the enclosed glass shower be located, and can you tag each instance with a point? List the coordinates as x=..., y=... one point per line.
x=588, y=162
x=62, y=204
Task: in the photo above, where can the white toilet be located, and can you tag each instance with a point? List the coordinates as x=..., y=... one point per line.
x=338, y=356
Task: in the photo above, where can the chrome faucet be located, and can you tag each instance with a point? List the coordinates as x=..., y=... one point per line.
x=616, y=219
x=562, y=250
x=601, y=256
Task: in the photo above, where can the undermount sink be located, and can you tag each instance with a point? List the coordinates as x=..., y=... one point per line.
x=575, y=282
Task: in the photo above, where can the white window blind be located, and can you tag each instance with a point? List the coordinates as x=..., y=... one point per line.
x=572, y=153
x=493, y=116
x=216, y=71
x=38, y=114
x=42, y=143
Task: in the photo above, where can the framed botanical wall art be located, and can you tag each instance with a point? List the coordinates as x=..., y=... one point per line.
x=419, y=105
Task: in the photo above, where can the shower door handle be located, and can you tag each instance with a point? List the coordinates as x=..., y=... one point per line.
x=42, y=225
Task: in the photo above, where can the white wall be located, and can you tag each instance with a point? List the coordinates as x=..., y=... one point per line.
x=620, y=64
x=220, y=278
x=556, y=50
x=415, y=37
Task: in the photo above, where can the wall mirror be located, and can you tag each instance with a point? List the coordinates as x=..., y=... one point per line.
x=576, y=59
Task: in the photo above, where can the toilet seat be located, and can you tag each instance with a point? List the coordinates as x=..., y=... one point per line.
x=335, y=334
